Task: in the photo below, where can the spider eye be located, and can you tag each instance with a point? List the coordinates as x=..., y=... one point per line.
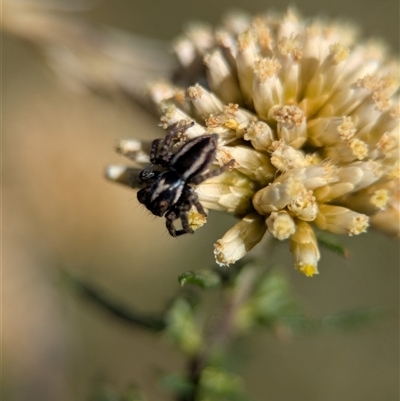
x=146, y=175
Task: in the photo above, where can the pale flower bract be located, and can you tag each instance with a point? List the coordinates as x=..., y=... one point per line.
x=309, y=113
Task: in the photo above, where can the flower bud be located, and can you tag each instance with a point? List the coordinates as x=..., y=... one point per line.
x=238, y=240
x=304, y=248
x=340, y=220
x=281, y=225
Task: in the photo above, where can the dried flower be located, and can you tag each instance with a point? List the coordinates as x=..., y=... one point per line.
x=311, y=118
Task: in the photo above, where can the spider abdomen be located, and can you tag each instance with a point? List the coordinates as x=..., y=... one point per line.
x=195, y=156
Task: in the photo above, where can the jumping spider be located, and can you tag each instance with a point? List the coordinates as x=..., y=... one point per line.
x=169, y=191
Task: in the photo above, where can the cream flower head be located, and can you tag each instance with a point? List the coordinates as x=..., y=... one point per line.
x=309, y=114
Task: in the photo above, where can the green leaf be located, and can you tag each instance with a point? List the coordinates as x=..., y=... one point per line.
x=331, y=242
x=271, y=301
x=201, y=278
x=182, y=327
x=217, y=384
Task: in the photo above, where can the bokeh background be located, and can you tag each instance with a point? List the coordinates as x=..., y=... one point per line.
x=59, y=213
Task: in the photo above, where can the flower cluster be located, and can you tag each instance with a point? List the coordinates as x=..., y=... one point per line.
x=309, y=114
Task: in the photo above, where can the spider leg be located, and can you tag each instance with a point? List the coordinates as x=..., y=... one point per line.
x=169, y=222
x=159, y=152
x=199, y=207
x=154, y=150
x=174, y=214
x=180, y=210
x=214, y=173
x=178, y=127
x=193, y=199
x=165, y=155
x=185, y=225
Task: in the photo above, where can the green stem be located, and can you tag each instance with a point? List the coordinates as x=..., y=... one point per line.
x=152, y=322
x=233, y=296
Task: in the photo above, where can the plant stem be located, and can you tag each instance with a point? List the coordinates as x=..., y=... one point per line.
x=152, y=322
x=224, y=329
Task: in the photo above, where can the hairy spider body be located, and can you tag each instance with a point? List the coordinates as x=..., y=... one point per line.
x=169, y=192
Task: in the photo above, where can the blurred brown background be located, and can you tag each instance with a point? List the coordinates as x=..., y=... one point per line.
x=60, y=213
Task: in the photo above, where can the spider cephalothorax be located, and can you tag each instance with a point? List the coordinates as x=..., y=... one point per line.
x=169, y=192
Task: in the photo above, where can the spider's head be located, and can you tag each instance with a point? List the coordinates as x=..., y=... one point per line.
x=162, y=194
